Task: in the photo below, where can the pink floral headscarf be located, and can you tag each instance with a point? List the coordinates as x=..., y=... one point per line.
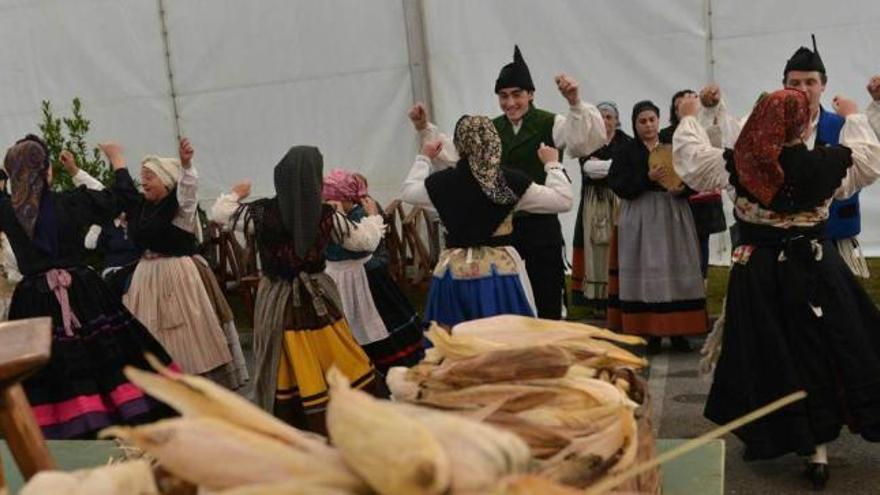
x=342, y=185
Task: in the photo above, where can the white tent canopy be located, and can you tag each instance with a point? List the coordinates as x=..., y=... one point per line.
x=251, y=79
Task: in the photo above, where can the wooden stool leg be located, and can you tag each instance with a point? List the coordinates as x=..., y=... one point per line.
x=23, y=435
x=3, y=488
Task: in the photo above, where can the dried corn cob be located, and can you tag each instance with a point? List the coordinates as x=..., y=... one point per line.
x=393, y=452
x=125, y=478
x=212, y=453
x=480, y=454
x=195, y=396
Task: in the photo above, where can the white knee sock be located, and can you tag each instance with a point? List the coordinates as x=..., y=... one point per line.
x=821, y=455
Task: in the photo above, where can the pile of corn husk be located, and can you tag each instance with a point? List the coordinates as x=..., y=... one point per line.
x=567, y=389
x=498, y=412
x=225, y=445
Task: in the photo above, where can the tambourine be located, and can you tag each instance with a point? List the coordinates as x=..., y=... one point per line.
x=661, y=157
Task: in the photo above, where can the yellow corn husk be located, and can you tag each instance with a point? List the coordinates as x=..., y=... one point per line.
x=524, y=329
x=212, y=453
x=501, y=396
x=195, y=396
x=544, y=442
x=50, y=482
x=531, y=485
x=459, y=347
x=124, y=478
x=601, y=392
x=501, y=366
x=566, y=418
x=610, y=450
x=480, y=454
x=290, y=487
x=476, y=340
x=598, y=353
x=400, y=386
x=433, y=356
x=396, y=454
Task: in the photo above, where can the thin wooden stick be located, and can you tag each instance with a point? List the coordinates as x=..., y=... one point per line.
x=695, y=443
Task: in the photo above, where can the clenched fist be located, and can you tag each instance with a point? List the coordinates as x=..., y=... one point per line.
x=68, y=162
x=569, y=88
x=186, y=153
x=710, y=95
x=548, y=154
x=418, y=115
x=874, y=88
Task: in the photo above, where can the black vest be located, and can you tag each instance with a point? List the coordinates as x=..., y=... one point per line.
x=469, y=216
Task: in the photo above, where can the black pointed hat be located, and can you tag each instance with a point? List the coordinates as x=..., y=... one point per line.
x=515, y=74
x=806, y=60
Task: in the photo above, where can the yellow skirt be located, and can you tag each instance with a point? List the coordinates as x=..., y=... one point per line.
x=307, y=355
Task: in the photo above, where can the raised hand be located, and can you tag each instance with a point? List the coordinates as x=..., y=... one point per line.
x=710, y=95
x=548, y=154
x=186, y=152
x=68, y=162
x=242, y=189
x=843, y=106
x=418, y=115
x=432, y=148
x=874, y=88
x=113, y=152
x=568, y=88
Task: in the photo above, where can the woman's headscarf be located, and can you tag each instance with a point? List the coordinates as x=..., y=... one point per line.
x=477, y=142
x=298, y=178
x=169, y=170
x=26, y=163
x=342, y=185
x=777, y=119
x=610, y=105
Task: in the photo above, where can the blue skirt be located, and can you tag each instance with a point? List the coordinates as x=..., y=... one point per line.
x=452, y=301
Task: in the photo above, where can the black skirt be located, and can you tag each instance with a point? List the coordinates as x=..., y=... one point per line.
x=796, y=319
x=83, y=389
x=404, y=344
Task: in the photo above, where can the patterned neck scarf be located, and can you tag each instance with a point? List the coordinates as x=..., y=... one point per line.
x=477, y=142
x=778, y=118
x=26, y=165
x=298, y=188
x=342, y=185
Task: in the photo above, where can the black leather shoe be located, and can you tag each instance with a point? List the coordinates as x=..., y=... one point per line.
x=655, y=344
x=818, y=474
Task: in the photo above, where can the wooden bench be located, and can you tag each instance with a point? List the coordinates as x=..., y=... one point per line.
x=25, y=346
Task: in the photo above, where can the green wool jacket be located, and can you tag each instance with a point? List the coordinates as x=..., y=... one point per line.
x=520, y=151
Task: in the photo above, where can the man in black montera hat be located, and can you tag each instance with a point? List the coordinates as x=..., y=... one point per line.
x=523, y=127
x=805, y=71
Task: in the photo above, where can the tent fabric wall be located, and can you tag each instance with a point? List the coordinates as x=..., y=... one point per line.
x=109, y=53
x=754, y=39
x=254, y=78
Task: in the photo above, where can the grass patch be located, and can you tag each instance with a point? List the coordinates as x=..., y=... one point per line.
x=872, y=285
